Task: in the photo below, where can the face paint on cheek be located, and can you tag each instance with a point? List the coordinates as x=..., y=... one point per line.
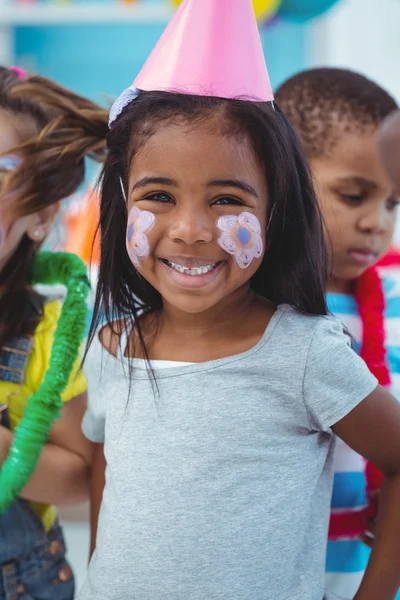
x=9, y=162
x=137, y=243
x=241, y=237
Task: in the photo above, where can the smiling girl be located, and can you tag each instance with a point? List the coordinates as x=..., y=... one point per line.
x=221, y=380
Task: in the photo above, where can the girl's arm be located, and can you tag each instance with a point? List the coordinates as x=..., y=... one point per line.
x=373, y=430
x=62, y=474
x=96, y=491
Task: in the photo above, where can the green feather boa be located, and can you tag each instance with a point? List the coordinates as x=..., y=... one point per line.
x=45, y=405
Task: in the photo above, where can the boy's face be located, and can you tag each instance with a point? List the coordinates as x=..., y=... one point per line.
x=359, y=206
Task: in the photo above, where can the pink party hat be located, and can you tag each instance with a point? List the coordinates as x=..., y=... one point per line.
x=210, y=48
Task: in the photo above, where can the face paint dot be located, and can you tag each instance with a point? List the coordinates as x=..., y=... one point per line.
x=131, y=230
x=243, y=235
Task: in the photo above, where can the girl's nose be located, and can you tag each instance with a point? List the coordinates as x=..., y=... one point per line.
x=375, y=220
x=191, y=228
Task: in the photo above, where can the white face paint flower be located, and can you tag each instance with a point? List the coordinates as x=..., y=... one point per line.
x=241, y=237
x=137, y=243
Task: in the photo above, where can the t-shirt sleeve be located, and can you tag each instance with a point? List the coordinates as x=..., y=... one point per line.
x=336, y=379
x=94, y=420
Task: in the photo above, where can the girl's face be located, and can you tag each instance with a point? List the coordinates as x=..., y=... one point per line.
x=359, y=206
x=187, y=180
x=13, y=229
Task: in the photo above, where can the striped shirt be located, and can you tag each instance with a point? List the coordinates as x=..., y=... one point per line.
x=347, y=559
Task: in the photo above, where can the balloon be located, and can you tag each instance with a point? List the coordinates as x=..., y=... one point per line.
x=264, y=9
x=304, y=10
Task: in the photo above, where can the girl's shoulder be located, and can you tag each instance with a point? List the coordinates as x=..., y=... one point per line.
x=288, y=328
x=46, y=328
x=114, y=338
x=49, y=319
x=316, y=338
x=299, y=323
x=110, y=337
x=43, y=340
x=105, y=348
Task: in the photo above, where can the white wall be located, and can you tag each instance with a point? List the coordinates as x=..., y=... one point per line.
x=363, y=35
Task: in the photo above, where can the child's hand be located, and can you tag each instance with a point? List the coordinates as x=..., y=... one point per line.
x=369, y=535
x=6, y=438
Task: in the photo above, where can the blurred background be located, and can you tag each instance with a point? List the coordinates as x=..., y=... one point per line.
x=96, y=47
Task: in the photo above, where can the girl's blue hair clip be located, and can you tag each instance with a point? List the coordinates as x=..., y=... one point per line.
x=127, y=96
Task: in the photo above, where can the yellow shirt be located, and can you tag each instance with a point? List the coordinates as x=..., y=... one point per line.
x=17, y=396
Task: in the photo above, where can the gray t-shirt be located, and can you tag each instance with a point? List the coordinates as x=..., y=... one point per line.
x=219, y=488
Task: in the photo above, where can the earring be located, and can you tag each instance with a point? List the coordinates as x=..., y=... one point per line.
x=36, y=234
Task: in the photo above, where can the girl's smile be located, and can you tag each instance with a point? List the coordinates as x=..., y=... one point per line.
x=191, y=272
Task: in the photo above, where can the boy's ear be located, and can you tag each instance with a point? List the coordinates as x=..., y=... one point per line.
x=389, y=147
x=42, y=222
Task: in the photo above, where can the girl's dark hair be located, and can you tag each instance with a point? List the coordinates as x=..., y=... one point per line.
x=294, y=267
x=57, y=130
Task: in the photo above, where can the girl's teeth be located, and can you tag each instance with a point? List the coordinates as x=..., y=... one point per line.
x=194, y=271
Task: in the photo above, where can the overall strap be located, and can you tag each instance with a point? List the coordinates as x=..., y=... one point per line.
x=14, y=359
x=14, y=356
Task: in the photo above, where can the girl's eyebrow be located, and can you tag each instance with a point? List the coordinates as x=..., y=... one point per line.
x=152, y=181
x=361, y=181
x=235, y=183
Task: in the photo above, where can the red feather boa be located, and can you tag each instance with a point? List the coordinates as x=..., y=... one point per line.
x=391, y=259
x=371, y=305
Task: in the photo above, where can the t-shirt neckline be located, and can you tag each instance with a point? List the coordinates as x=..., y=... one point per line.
x=160, y=373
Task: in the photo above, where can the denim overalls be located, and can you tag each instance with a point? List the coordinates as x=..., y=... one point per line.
x=32, y=562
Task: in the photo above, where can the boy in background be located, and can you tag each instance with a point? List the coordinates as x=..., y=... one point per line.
x=337, y=115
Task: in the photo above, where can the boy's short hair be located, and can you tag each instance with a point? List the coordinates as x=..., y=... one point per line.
x=323, y=103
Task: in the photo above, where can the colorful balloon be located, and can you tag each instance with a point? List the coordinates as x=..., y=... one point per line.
x=304, y=10
x=264, y=9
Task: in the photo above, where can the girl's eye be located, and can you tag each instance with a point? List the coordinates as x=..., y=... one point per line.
x=392, y=204
x=228, y=201
x=160, y=197
x=353, y=199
